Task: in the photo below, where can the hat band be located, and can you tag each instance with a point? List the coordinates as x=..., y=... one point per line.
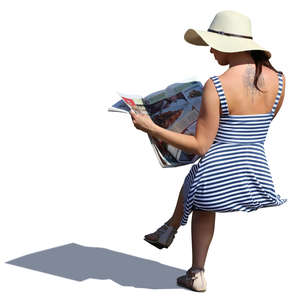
x=230, y=34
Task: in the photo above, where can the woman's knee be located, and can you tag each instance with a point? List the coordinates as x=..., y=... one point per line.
x=201, y=212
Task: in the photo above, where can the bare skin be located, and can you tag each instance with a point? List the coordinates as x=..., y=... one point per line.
x=242, y=99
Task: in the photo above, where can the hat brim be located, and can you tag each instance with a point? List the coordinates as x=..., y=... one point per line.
x=221, y=42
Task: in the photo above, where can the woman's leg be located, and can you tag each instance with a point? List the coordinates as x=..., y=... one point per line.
x=175, y=220
x=203, y=224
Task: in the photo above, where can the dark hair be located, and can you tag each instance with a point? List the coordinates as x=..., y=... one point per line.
x=261, y=59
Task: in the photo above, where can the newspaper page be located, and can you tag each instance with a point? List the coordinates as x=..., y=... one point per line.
x=176, y=108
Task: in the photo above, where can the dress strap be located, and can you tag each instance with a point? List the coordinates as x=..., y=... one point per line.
x=221, y=94
x=280, y=84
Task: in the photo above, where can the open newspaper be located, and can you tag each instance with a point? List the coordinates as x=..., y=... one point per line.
x=175, y=108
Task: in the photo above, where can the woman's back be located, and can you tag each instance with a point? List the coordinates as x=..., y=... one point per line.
x=242, y=96
x=250, y=125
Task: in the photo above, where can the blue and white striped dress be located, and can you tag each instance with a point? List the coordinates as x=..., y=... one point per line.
x=234, y=174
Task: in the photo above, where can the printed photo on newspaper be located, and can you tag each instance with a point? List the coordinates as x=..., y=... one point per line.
x=175, y=108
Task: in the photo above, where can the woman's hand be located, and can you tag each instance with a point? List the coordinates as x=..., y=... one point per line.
x=142, y=122
x=185, y=142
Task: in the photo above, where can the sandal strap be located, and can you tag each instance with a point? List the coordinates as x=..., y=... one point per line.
x=193, y=273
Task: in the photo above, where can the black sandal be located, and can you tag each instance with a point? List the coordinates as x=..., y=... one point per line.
x=163, y=236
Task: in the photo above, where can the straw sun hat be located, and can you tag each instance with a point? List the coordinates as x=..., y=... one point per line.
x=229, y=31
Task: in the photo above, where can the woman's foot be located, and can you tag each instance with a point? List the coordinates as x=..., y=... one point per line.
x=162, y=237
x=193, y=279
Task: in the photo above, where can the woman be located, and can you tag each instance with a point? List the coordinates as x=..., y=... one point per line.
x=236, y=111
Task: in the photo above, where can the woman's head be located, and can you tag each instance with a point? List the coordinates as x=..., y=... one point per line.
x=232, y=58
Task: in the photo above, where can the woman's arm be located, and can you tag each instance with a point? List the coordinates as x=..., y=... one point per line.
x=206, y=129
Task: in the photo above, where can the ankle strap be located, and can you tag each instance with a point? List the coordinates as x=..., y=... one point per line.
x=195, y=269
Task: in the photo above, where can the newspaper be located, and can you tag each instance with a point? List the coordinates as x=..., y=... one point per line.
x=175, y=108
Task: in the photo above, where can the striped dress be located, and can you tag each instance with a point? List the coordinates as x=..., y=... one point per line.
x=234, y=174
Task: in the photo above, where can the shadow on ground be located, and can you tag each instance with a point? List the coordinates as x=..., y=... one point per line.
x=77, y=262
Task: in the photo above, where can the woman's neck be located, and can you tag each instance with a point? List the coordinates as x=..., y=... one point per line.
x=239, y=58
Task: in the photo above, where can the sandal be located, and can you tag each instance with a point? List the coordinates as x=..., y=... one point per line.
x=162, y=237
x=194, y=280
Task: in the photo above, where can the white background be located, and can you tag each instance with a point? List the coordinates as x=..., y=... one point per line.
x=71, y=172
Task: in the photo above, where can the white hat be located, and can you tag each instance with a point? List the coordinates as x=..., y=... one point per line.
x=229, y=31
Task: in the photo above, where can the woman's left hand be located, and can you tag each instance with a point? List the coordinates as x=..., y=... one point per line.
x=142, y=122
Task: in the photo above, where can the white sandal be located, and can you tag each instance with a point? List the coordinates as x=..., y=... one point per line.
x=194, y=280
